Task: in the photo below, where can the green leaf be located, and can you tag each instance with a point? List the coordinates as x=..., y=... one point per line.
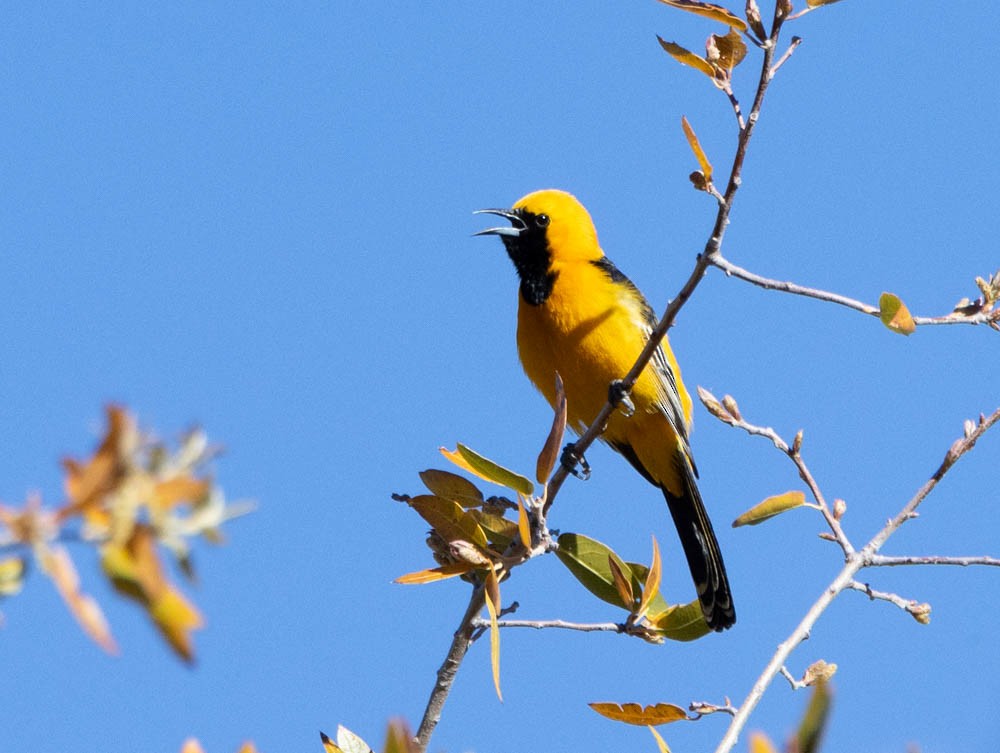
x=452, y=486
x=895, y=315
x=499, y=530
x=682, y=622
x=814, y=721
x=587, y=559
x=486, y=469
x=770, y=507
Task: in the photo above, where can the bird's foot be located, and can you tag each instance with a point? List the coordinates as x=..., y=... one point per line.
x=570, y=460
x=618, y=397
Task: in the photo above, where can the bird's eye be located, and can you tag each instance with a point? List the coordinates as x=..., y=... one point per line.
x=542, y=220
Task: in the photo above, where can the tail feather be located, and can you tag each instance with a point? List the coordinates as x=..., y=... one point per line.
x=702, y=551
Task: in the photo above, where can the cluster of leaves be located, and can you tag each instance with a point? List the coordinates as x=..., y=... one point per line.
x=132, y=498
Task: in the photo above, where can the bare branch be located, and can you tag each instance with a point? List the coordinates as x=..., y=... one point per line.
x=879, y=560
x=732, y=270
x=597, y=627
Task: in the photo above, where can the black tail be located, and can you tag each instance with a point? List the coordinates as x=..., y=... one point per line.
x=702, y=551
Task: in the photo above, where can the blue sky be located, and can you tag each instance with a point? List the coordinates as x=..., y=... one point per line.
x=259, y=221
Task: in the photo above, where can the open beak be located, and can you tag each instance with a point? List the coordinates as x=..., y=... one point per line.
x=517, y=224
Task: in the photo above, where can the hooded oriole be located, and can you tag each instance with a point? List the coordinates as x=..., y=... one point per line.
x=580, y=316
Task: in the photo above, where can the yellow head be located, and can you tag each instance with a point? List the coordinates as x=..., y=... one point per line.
x=548, y=228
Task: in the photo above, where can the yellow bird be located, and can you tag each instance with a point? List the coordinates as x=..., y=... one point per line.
x=580, y=316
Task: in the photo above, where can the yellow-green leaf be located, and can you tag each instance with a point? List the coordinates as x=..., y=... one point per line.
x=398, y=738
x=550, y=450
x=492, y=594
x=895, y=315
x=633, y=713
x=699, y=153
x=817, y=3
x=761, y=743
x=770, y=507
x=587, y=559
x=452, y=486
x=651, y=585
x=435, y=574
x=12, y=572
x=523, y=527
x=685, y=56
x=709, y=10
x=449, y=519
x=485, y=468
x=681, y=622
x=499, y=530
x=814, y=721
x=661, y=744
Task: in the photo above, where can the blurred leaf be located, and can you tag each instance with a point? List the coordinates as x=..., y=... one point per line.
x=709, y=10
x=452, y=486
x=486, y=469
x=449, y=519
x=176, y=618
x=633, y=713
x=661, y=744
x=651, y=586
x=817, y=3
x=685, y=56
x=761, y=743
x=57, y=564
x=435, y=574
x=347, y=742
x=523, y=526
x=588, y=559
x=770, y=507
x=191, y=745
x=681, y=622
x=895, y=315
x=12, y=571
x=177, y=490
x=699, y=153
x=550, y=450
x=492, y=593
x=88, y=482
x=810, y=732
x=398, y=738
x=247, y=747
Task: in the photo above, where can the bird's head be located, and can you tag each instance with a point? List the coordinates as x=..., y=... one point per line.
x=546, y=226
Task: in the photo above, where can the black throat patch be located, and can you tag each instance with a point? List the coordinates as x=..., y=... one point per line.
x=532, y=259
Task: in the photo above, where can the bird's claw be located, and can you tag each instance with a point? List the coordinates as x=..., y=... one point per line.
x=618, y=397
x=570, y=460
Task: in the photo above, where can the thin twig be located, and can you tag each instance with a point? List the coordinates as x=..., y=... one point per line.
x=855, y=562
x=732, y=270
x=449, y=668
x=796, y=41
x=585, y=627
x=879, y=560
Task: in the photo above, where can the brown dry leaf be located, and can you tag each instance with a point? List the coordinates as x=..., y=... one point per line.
x=685, y=56
x=57, y=565
x=177, y=490
x=770, y=507
x=895, y=315
x=709, y=10
x=818, y=671
x=435, y=574
x=550, y=450
x=329, y=746
x=452, y=486
x=633, y=713
x=622, y=584
x=449, y=519
x=652, y=585
x=699, y=153
x=726, y=51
